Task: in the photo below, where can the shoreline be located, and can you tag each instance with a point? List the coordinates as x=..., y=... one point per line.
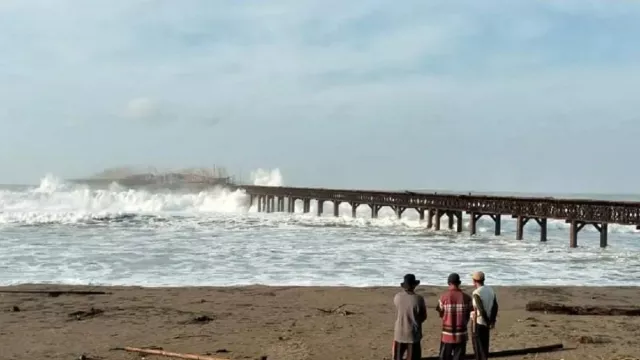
x=367, y=287
x=290, y=322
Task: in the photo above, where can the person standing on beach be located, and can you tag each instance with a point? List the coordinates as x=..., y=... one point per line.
x=454, y=307
x=485, y=312
x=411, y=313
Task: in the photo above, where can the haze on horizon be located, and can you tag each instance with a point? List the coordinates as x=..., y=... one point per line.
x=526, y=96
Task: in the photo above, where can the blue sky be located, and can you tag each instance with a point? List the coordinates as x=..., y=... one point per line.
x=461, y=95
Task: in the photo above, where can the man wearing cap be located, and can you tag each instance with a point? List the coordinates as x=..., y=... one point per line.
x=454, y=308
x=485, y=311
x=411, y=313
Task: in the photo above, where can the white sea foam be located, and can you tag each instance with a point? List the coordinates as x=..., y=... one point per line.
x=65, y=233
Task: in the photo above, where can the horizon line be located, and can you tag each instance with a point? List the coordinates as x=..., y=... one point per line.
x=439, y=191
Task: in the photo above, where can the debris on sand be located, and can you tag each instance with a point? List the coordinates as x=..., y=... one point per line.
x=87, y=357
x=167, y=353
x=597, y=339
x=54, y=293
x=554, y=308
x=191, y=336
x=81, y=315
x=202, y=319
x=340, y=310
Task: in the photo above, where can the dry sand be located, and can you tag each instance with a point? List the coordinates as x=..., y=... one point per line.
x=285, y=323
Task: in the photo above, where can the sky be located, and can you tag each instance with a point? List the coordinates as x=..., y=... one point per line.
x=527, y=96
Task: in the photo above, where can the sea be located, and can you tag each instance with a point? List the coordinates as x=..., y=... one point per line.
x=62, y=233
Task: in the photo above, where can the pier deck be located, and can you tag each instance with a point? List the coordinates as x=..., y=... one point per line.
x=577, y=212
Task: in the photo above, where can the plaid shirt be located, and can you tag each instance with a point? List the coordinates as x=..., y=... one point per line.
x=455, y=308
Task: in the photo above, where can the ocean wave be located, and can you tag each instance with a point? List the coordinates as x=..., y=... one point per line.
x=63, y=232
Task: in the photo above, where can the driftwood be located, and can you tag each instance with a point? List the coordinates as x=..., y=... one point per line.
x=202, y=319
x=340, y=310
x=554, y=308
x=514, y=352
x=168, y=354
x=81, y=315
x=54, y=293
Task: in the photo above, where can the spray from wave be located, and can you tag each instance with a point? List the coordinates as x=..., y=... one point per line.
x=267, y=178
x=56, y=201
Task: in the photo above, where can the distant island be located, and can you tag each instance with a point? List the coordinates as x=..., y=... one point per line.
x=189, y=178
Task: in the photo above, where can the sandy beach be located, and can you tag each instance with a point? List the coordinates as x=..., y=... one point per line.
x=290, y=322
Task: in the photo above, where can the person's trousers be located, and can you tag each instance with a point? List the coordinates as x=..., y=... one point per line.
x=412, y=350
x=453, y=351
x=482, y=334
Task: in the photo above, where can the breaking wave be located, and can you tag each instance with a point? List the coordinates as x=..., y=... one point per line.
x=56, y=201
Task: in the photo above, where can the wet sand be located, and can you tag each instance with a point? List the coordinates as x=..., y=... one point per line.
x=288, y=323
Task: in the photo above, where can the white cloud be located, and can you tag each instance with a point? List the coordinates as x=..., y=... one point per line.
x=259, y=70
x=253, y=61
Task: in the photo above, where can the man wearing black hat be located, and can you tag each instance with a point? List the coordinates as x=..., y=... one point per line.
x=455, y=309
x=412, y=312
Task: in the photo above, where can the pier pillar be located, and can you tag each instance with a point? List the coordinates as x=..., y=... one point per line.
x=520, y=223
x=473, y=222
x=320, y=208
x=576, y=226
x=399, y=210
x=421, y=213
x=459, y=221
x=450, y=215
x=374, y=210
x=573, y=233
x=258, y=204
x=336, y=208
x=543, y=229
x=292, y=204
x=604, y=230
x=306, y=205
x=429, y=219
x=437, y=217
x=281, y=204
x=270, y=204
x=354, y=208
x=497, y=218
